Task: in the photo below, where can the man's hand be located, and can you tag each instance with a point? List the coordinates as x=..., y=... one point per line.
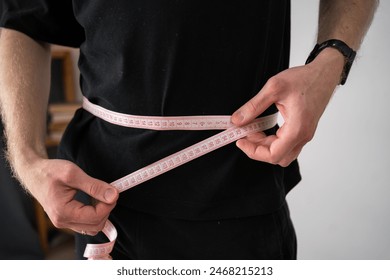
x=54, y=184
x=24, y=94
x=301, y=94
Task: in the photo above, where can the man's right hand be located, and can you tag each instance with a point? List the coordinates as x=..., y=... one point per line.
x=24, y=94
x=54, y=184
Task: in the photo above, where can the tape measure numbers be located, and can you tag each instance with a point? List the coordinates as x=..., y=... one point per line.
x=229, y=134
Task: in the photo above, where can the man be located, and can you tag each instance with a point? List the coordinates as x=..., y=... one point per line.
x=173, y=58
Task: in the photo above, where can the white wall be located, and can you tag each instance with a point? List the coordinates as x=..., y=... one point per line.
x=341, y=208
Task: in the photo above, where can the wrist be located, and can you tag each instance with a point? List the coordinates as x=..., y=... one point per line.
x=329, y=65
x=339, y=46
x=22, y=160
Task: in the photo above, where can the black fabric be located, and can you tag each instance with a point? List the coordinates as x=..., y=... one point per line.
x=48, y=21
x=169, y=58
x=149, y=237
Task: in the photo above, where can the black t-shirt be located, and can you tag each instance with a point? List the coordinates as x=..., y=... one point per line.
x=169, y=58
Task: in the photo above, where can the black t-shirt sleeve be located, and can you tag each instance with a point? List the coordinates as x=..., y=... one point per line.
x=50, y=21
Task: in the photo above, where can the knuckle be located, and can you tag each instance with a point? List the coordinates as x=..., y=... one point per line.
x=251, y=106
x=274, y=160
x=284, y=163
x=306, y=135
x=250, y=154
x=66, y=173
x=101, y=226
x=58, y=221
x=97, y=223
x=275, y=85
x=93, y=189
x=273, y=157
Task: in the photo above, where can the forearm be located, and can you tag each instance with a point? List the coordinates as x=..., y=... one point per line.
x=302, y=93
x=346, y=20
x=24, y=91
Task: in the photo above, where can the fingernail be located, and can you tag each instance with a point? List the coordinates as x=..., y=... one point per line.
x=109, y=195
x=238, y=117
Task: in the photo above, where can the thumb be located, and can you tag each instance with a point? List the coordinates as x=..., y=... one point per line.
x=96, y=188
x=252, y=109
x=100, y=190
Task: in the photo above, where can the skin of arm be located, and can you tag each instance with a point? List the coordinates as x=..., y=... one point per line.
x=24, y=90
x=302, y=93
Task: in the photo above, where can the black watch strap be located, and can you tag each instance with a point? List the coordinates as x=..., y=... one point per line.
x=342, y=47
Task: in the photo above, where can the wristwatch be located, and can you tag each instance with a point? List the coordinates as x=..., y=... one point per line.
x=342, y=47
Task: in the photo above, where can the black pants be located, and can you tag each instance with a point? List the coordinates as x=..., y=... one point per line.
x=144, y=236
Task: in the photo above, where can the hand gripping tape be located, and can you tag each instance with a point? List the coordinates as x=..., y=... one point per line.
x=229, y=134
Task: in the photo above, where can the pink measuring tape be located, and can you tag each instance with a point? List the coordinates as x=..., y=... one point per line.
x=229, y=134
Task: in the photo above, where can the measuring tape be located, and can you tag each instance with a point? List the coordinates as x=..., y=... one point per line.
x=229, y=134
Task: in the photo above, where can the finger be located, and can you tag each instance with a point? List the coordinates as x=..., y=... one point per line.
x=257, y=137
x=78, y=216
x=80, y=213
x=250, y=143
x=88, y=228
x=271, y=149
x=97, y=189
x=293, y=155
x=86, y=232
x=262, y=151
x=254, y=107
x=256, y=150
